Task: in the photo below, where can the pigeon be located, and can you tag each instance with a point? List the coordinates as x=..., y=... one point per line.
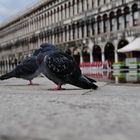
x=61, y=68
x=26, y=69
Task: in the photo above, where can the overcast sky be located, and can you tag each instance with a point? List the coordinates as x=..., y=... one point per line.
x=11, y=7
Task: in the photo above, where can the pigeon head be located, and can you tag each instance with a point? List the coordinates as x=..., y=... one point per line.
x=47, y=47
x=37, y=51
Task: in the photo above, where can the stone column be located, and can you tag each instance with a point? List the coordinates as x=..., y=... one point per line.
x=116, y=56
x=85, y=5
x=81, y=57
x=96, y=3
x=80, y=6
x=75, y=6
x=90, y=29
x=131, y=20
x=53, y=17
x=103, y=56
x=53, y=40
x=39, y=42
x=30, y=26
x=50, y=19
x=91, y=57
x=63, y=35
x=122, y=22
x=64, y=13
x=85, y=30
x=60, y=15
x=67, y=34
x=10, y=65
x=96, y=28
x=80, y=33
x=115, y=53
x=4, y=66
x=90, y=3
x=90, y=46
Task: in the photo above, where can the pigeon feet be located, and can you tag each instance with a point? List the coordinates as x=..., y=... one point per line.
x=58, y=88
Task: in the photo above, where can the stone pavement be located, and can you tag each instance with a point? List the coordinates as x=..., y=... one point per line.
x=35, y=113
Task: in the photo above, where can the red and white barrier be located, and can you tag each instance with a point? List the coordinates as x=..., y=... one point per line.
x=89, y=68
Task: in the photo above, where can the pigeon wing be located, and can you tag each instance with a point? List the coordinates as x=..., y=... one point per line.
x=27, y=66
x=61, y=64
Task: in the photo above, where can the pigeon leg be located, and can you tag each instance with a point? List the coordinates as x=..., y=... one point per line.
x=31, y=83
x=59, y=88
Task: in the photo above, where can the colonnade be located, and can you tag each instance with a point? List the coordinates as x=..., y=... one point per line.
x=67, y=24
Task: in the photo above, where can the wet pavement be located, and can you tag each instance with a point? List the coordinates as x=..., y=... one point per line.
x=117, y=76
x=36, y=113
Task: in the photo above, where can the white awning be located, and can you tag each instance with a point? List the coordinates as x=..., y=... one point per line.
x=133, y=46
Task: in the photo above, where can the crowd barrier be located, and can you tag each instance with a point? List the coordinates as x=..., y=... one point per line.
x=89, y=68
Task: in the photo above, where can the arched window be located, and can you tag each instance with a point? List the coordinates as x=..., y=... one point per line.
x=96, y=53
x=73, y=6
x=76, y=55
x=88, y=4
x=61, y=13
x=112, y=21
x=135, y=14
x=45, y=17
x=119, y=19
x=78, y=29
x=51, y=17
x=55, y=18
x=58, y=17
x=78, y=6
x=109, y=52
x=73, y=31
x=86, y=54
x=99, y=2
x=99, y=24
x=69, y=29
x=126, y=17
x=93, y=25
x=69, y=6
x=82, y=28
x=82, y=4
x=105, y=23
x=92, y=3
x=65, y=30
x=65, y=9
x=88, y=27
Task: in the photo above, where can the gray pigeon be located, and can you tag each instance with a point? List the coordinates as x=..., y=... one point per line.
x=27, y=69
x=62, y=69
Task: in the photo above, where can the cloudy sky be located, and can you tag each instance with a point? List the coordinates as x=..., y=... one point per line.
x=11, y=7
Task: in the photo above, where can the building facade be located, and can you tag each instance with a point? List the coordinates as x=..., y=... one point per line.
x=90, y=30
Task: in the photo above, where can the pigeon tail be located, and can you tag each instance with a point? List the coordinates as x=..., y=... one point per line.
x=84, y=83
x=90, y=79
x=7, y=75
